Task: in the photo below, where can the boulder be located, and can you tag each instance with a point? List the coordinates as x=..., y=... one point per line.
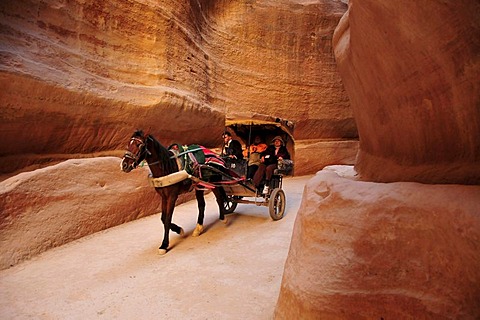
x=367, y=250
x=49, y=207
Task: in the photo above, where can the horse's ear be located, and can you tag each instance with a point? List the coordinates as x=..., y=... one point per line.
x=138, y=133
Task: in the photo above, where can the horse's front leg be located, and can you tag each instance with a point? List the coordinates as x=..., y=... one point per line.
x=199, y=194
x=168, y=205
x=220, y=196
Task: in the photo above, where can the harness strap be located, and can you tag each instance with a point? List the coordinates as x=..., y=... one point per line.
x=170, y=179
x=184, y=152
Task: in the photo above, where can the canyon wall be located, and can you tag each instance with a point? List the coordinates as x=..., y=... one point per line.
x=397, y=236
x=412, y=75
x=78, y=77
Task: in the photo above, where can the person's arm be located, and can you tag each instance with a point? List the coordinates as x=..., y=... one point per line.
x=285, y=154
x=261, y=147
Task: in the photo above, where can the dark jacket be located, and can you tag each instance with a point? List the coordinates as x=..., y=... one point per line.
x=271, y=158
x=234, y=148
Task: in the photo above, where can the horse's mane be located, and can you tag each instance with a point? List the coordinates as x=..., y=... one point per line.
x=168, y=165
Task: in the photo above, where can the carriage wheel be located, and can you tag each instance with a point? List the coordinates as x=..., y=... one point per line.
x=276, y=205
x=229, y=205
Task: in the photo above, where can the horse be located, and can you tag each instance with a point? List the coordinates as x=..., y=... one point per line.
x=162, y=162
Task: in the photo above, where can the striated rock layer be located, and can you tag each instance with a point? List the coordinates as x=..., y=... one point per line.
x=276, y=59
x=80, y=76
x=85, y=75
x=48, y=207
x=365, y=250
x=412, y=74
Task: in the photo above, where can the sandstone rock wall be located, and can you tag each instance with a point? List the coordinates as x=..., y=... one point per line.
x=276, y=59
x=320, y=153
x=49, y=207
x=365, y=250
x=411, y=72
x=80, y=76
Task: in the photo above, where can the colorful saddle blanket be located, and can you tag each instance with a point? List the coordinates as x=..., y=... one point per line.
x=189, y=158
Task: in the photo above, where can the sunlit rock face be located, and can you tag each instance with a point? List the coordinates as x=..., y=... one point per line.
x=48, y=207
x=79, y=76
x=276, y=59
x=412, y=74
x=366, y=250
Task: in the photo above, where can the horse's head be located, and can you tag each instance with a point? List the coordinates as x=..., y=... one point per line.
x=136, y=151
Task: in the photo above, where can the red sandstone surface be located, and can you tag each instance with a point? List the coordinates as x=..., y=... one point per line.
x=398, y=238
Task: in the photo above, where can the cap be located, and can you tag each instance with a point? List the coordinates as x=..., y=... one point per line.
x=278, y=138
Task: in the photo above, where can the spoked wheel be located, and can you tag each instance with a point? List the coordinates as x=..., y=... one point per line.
x=229, y=205
x=276, y=205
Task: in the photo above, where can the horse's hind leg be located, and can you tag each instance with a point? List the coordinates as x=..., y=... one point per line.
x=201, y=212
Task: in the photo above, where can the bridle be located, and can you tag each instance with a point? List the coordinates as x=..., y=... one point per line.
x=140, y=155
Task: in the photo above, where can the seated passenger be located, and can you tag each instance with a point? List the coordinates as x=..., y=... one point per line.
x=253, y=154
x=269, y=160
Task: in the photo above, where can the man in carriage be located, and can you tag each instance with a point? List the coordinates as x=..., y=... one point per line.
x=232, y=153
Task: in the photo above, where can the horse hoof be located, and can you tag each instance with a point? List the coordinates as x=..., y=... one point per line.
x=182, y=232
x=198, y=230
x=161, y=251
x=225, y=220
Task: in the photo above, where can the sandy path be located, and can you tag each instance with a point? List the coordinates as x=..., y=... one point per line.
x=231, y=271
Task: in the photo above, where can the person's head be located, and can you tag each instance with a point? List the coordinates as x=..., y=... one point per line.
x=257, y=140
x=227, y=136
x=277, y=141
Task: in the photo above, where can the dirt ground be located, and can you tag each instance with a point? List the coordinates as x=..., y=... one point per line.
x=231, y=271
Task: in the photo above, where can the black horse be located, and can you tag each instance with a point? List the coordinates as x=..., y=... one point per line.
x=162, y=162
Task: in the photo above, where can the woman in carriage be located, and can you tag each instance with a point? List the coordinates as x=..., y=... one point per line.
x=269, y=161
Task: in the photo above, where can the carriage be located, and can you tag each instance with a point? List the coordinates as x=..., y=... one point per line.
x=204, y=169
x=239, y=190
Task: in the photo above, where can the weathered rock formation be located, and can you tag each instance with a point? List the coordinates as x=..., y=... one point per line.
x=276, y=60
x=412, y=74
x=365, y=250
x=79, y=76
x=48, y=207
